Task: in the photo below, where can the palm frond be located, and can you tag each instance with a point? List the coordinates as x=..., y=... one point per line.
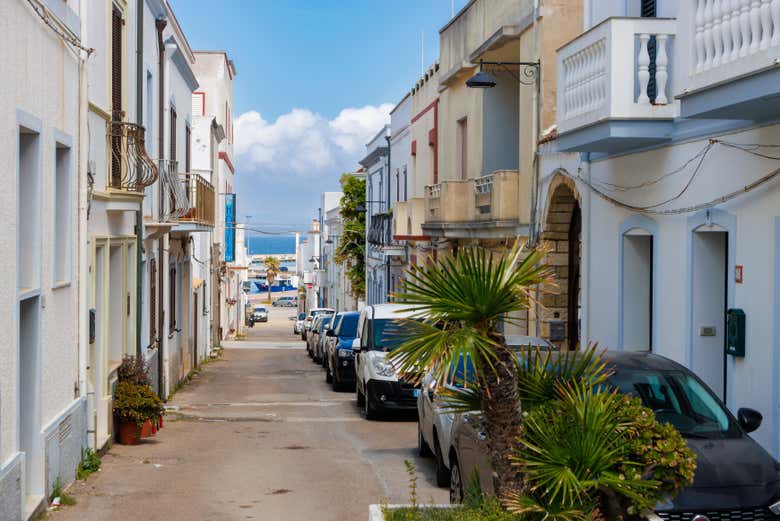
x=540, y=372
x=459, y=399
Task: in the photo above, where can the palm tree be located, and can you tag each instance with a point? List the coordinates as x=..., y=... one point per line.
x=272, y=265
x=461, y=303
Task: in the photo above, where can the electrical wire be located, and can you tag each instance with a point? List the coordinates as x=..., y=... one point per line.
x=64, y=33
x=750, y=148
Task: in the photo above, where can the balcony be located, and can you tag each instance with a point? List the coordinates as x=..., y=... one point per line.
x=380, y=235
x=175, y=200
x=734, y=52
x=613, y=85
x=496, y=196
x=131, y=168
x=408, y=217
x=200, y=199
x=483, y=208
x=447, y=201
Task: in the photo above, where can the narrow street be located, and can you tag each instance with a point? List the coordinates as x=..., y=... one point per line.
x=257, y=435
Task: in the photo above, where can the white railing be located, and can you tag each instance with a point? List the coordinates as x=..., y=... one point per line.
x=433, y=190
x=727, y=30
x=484, y=184
x=606, y=73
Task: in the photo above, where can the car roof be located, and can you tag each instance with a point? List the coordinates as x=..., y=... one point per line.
x=349, y=313
x=312, y=310
x=388, y=311
x=639, y=361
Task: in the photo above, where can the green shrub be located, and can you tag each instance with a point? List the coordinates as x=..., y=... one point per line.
x=590, y=453
x=90, y=462
x=489, y=510
x=58, y=492
x=136, y=403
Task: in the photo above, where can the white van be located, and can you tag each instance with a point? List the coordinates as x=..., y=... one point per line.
x=378, y=388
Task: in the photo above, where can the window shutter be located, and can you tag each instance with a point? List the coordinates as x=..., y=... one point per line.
x=116, y=96
x=173, y=134
x=187, y=150
x=648, y=9
x=153, y=302
x=172, y=310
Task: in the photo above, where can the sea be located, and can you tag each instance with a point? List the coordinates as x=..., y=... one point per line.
x=271, y=244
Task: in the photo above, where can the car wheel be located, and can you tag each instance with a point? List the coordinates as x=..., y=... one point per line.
x=422, y=446
x=442, y=472
x=369, y=409
x=359, y=396
x=456, y=483
x=328, y=374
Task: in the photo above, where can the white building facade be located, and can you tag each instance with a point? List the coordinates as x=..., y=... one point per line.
x=659, y=194
x=42, y=389
x=378, y=184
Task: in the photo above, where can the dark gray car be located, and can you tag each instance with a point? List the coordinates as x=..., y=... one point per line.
x=735, y=478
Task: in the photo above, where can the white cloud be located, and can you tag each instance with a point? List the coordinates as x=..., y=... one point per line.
x=306, y=144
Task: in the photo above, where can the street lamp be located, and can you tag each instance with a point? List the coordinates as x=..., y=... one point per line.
x=529, y=73
x=362, y=209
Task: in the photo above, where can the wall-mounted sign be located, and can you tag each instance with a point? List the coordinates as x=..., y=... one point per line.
x=738, y=274
x=230, y=227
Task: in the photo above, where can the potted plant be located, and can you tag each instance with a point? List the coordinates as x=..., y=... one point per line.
x=135, y=370
x=134, y=404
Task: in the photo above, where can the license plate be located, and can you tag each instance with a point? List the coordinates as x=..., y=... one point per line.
x=416, y=392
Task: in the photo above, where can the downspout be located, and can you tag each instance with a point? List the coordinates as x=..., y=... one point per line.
x=387, y=259
x=139, y=235
x=161, y=268
x=83, y=237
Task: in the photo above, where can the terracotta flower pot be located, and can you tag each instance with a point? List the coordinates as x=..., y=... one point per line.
x=128, y=433
x=160, y=425
x=146, y=429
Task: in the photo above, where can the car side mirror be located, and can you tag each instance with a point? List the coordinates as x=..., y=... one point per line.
x=356, y=345
x=330, y=332
x=749, y=419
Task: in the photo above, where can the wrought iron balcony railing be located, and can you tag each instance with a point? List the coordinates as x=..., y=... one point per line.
x=175, y=200
x=379, y=231
x=200, y=197
x=131, y=168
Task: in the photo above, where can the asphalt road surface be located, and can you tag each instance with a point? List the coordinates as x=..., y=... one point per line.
x=258, y=435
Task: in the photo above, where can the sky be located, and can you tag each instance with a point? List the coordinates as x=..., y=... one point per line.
x=316, y=80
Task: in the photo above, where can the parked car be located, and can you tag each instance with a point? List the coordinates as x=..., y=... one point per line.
x=339, y=359
x=735, y=477
x=316, y=334
x=298, y=326
x=286, y=302
x=259, y=314
x=434, y=421
x=378, y=387
x=312, y=314
x=310, y=330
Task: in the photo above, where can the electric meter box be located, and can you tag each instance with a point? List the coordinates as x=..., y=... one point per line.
x=735, y=332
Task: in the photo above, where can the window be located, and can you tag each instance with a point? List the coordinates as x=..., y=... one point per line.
x=406, y=185
x=462, y=148
x=637, y=290
x=153, y=303
x=116, y=94
x=173, y=135
x=28, y=213
x=149, y=120
x=63, y=210
x=187, y=150
x=172, y=301
x=397, y=185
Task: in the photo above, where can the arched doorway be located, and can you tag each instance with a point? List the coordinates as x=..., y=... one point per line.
x=563, y=232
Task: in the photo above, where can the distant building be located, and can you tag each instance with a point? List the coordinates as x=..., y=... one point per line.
x=378, y=217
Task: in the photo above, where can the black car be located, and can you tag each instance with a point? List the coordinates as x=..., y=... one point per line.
x=735, y=477
x=316, y=337
x=339, y=358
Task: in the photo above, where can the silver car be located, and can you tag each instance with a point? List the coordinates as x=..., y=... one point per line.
x=434, y=423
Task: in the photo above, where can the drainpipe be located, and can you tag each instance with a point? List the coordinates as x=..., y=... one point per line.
x=387, y=259
x=161, y=268
x=83, y=236
x=139, y=234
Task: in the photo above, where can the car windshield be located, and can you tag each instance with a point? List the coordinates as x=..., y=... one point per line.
x=301, y=316
x=259, y=309
x=325, y=321
x=387, y=333
x=680, y=399
x=348, y=326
